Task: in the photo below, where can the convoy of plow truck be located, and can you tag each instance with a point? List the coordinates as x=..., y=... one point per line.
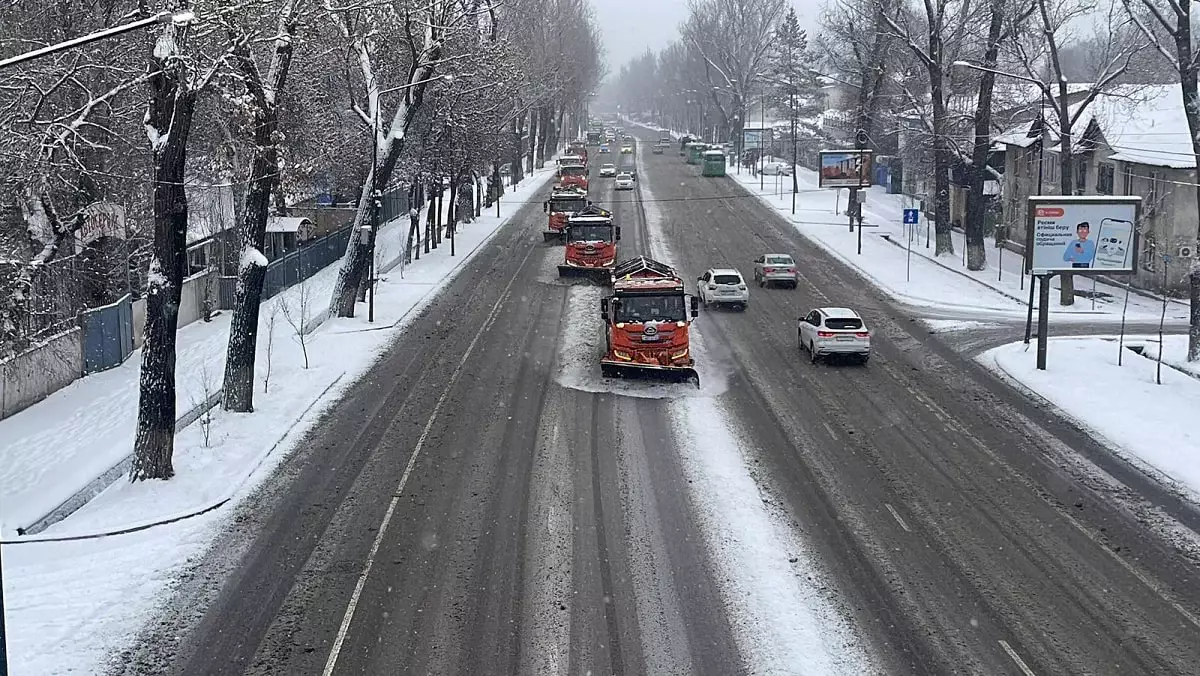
x=648, y=316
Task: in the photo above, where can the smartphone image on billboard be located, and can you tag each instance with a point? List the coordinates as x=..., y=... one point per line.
x=1113, y=242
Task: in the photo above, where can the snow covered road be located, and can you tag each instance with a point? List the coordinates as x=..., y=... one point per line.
x=483, y=503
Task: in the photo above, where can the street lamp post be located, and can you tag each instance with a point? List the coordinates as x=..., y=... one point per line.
x=376, y=192
x=178, y=18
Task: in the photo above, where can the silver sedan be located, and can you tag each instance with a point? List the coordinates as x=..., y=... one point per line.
x=776, y=269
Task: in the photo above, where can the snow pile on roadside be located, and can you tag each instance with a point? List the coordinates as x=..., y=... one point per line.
x=1147, y=423
x=72, y=604
x=783, y=620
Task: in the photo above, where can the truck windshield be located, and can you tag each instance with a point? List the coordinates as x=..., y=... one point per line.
x=637, y=309
x=571, y=205
x=573, y=171
x=590, y=233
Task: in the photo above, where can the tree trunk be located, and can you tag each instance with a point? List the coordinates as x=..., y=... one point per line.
x=430, y=216
x=437, y=214
x=515, y=169
x=170, y=112
x=535, y=131
x=238, y=386
x=1191, y=97
x=452, y=206
x=944, y=243
x=973, y=222
x=1066, y=281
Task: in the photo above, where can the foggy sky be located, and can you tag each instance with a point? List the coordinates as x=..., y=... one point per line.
x=631, y=26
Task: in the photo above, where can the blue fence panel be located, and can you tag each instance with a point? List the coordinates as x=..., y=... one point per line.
x=107, y=335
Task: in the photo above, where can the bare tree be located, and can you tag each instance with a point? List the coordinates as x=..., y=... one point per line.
x=426, y=27
x=733, y=40
x=263, y=95
x=175, y=82
x=940, y=27
x=1043, y=64
x=298, y=314
x=1167, y=26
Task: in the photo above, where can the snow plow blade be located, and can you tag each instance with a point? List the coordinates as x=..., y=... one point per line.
x=674, y=374
x=599, y=275
x=552, y=236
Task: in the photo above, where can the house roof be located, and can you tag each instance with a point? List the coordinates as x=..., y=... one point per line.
x=1143, y=124
x=286, y=223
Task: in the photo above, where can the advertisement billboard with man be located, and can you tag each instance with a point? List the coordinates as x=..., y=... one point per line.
x=845, y=169
x=1082, y=235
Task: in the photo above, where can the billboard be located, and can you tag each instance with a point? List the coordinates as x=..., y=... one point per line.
x=756, y=138
x=845, y=169
x=1082, y=235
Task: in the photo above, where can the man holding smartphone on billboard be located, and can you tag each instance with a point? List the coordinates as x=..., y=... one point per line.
x=1080, y=251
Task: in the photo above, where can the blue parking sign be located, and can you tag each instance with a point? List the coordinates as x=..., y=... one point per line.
x=911, y=216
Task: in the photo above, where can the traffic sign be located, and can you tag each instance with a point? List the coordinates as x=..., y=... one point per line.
x=911, y=216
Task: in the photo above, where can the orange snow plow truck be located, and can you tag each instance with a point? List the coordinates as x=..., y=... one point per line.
x=647, y=319
x=591, y=247
x=560, y=206
x=572, y=175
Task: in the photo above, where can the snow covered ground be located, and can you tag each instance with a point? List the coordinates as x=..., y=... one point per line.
x=72, y=603
x=1147, y=423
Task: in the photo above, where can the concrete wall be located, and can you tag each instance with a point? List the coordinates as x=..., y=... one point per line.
x=191, y=303
x=33, y=375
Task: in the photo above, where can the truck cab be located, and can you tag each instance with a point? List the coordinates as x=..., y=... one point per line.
x=573, y=176
x=591, y=244
x=647, y=322
x=561, y=205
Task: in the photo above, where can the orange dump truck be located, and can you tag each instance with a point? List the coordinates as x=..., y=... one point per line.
x=561, y=205
x=647, y=321
x=591, y=247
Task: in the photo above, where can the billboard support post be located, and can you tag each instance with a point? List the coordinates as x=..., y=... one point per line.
x=1043, y=321
x=1029, y=316
x=858, y=209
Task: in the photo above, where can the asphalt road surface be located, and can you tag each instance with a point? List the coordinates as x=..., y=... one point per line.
x=484, y=504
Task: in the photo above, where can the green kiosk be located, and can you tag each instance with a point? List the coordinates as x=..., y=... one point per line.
x=695, y=152
x=714, y=163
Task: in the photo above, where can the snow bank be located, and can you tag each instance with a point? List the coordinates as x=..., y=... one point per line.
x=1147, y=423
x=782, y=617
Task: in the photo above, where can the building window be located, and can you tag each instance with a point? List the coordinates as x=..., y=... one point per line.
x=1104, y=178
x=1127, y=177
x=1081, y=167
x=1152, y=189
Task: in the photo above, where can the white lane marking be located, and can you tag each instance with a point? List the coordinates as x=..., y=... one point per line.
x=829, y=429
x=1154, y=586
x=1164, y=594
x=896, y=515
x=344, y=629
x=1016, y=658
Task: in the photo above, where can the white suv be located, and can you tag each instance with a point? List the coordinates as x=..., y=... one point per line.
x=834, y=330
x=608, y=170
x=723, y=286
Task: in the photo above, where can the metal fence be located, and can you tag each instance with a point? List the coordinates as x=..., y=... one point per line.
x=292, y=268
x=52, y=302
x=107, y=335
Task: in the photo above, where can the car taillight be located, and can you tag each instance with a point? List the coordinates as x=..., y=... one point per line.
x=741, y=287
x=863, y=334
x=825, y=334
x=792, y=270
x=712, y=287
x=768, y=270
